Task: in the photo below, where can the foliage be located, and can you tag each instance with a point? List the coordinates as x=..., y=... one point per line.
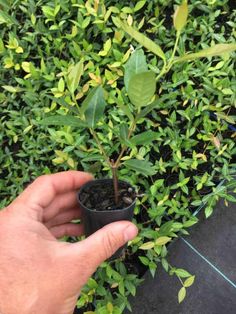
x=54, y=56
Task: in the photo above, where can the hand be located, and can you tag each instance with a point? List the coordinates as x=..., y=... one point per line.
x=38, y=274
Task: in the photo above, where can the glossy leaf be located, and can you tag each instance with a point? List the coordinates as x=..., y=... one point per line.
x=136, y=64
x=142, y=87
x=93, y=106
x=141, y=166
x=62, y=121
x=143, y=40
x=180, y=16
x=216, y=50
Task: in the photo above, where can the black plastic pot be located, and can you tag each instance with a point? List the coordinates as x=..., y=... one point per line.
x=94, y=219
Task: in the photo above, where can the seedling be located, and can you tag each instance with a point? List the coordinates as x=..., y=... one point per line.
x=140, y=86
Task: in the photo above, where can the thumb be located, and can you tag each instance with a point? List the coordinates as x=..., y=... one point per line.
x=103, y=244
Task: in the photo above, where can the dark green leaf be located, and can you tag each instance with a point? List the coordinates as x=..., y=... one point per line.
x=93, y=106
x=144, y=138
x=141, y=166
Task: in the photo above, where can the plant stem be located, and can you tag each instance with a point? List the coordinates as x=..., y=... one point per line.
x=132, y=127
x=100, y=147
x=169, y=65
x=115, y=182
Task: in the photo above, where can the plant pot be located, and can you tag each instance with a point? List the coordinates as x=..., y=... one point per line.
x=96, y=199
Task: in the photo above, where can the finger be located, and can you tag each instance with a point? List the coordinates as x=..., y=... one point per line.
x=101, y=245
x=45, y=188
x=62, y=203
x=64, y=218
x=68, y=229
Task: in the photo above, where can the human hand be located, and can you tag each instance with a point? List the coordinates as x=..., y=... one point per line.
x=39, y=274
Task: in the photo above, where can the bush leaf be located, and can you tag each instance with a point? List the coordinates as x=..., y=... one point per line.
x=142, y=87
x=74, y=76
x=181, y=294
x=141, y=166
x=147, y=246
x=62, y=121
x=136, y=64
x=143, y=40
x=180, y=16
x=216, y=50
x=188, y=282
x=162, y=240
x=93, y=106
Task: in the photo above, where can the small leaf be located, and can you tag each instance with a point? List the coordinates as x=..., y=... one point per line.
x=208, y=211
x=188, y=282
x=182, y=273
x=216, y=50
x=141, y=166
x=11, y=89
x=74, y=76
x=143, y=40
x=142, y=87
x=139, y=5
x=147, y=246
x=180, y=16
x=215, y=140
x=162, y=240
x=181, y=294
x=61, y=85
x=62, y=121
x=144, y=138
x=93, y=106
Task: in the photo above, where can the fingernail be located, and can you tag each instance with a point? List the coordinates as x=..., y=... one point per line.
x=130, y=233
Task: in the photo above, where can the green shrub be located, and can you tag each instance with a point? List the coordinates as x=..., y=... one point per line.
x=187, y=143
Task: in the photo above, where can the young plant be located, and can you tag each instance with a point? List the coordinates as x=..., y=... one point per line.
x=140, y=85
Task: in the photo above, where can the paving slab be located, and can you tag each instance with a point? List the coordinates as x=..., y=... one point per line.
x=210, y=254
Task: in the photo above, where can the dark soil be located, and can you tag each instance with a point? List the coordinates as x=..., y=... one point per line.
x=99, y=196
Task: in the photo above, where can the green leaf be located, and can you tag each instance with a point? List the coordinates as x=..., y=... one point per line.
x=147, y=246
x=181, y=294
x=144, y=138
x=139, y=5
x=142, y=87
x=188, y=282
x=92, y=283
x=162, y=240
x=11, y=89
x=216, y=50
x=208, y=211
x=136, y=64
x=180, y=16
x=141, y=166
x=155, y=104
x=62, y=121
x=74, y=76
x=182, y=273
x=93, y=106
x=143, y=40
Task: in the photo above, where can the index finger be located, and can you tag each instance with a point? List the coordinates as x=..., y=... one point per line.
x=45, y=188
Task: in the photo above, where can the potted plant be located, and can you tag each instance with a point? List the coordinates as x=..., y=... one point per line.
x=108, y=200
